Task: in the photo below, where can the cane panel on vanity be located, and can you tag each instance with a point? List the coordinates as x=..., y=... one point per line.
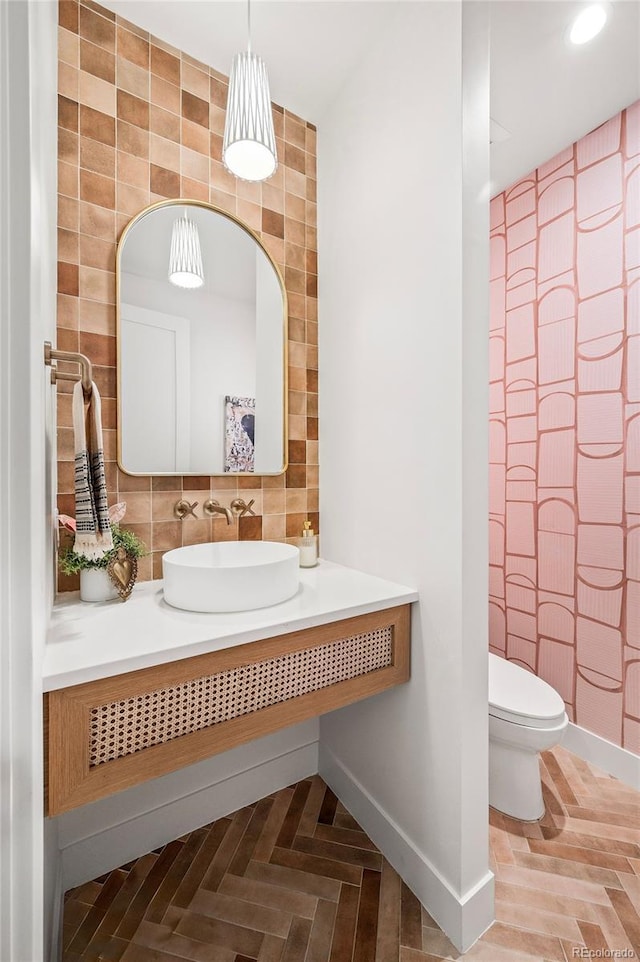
x=106, y=735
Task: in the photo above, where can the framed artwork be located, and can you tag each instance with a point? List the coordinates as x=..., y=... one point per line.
x=239, y=416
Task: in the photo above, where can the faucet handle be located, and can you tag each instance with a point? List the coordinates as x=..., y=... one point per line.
x=183, y=508
x=239, y=506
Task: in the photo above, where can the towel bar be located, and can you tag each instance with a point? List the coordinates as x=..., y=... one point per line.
x=86, y=377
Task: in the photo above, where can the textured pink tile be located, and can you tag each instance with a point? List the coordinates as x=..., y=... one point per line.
x=524, y=599
x=556, y=351
x=556, y=245
x=632, y=249
x=556, y=562
x=496, y=542
x=633, y=444
x=555, y=199
x=632, y=199
x=521, y=205
x=600, y=486
x=522, y=454
x=558, y=516
x=601, y=546
x=556, y=665
x=521, y=233
x=496, y=357
x=600, y=256
x=632, y=494
x=600, y=374
x=633, y=308
x=599, y=188
x=521, y=402
x=497, y=303
x=632, y=689
x=633, y=553
x=599, y=419
x=520, y=333
x=599, y=710
x=497, y=627
x=556, y=305
x=497, y=442
x=521, y=264
x=520, y=529
x=556, y=622
x=521, y=624
x=522, y=651
x=521, y=429
x=601, y=142
x=496, y=489
x=632, y=121
x=599, y=647
x=556, y=459
x=556, y=410
x=601, y=605
x=556, y=163
x=496, y=582
x=601, y=315
x=496, y=211
x=633, y=369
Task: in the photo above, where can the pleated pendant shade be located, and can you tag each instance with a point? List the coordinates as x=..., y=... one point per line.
x=249, y=146
x=185, y=259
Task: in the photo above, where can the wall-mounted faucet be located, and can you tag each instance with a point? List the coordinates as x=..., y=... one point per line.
x=212, y=507
x=182, y=509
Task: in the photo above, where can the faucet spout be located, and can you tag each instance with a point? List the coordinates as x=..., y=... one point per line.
x=212, y=507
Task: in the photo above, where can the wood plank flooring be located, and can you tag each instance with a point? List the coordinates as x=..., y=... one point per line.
x=294, y=878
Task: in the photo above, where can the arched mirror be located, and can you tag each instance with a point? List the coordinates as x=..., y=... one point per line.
x=202, y=336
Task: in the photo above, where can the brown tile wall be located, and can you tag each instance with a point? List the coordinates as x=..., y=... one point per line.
x=139, y=122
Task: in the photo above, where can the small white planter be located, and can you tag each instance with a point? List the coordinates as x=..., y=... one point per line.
x=96, y=585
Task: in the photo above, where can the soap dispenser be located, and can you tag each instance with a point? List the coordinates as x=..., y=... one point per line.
x=308, y=545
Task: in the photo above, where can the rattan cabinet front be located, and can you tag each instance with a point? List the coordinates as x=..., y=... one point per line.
x=104, y=736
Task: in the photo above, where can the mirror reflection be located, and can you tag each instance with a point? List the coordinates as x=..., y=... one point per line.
x=202, y=329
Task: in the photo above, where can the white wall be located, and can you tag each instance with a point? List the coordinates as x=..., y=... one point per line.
x=403, y=381
x=28, y=113
x=97, y=838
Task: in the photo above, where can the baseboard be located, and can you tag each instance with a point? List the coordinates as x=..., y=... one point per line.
x=462, y=919
x=89, y=857
x=611, y=758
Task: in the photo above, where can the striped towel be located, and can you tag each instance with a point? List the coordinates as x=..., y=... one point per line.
x=93, y=529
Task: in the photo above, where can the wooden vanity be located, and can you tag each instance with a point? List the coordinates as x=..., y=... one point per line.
x=116, y=718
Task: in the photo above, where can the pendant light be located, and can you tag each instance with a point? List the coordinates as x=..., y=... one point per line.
x=249, y=147
x=185, y=260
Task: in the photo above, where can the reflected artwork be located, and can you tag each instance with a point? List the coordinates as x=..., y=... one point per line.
x=239, y=434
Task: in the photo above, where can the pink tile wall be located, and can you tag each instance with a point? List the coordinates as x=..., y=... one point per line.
x=565, y=427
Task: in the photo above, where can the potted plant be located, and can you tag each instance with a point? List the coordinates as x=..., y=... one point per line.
x=96, y=583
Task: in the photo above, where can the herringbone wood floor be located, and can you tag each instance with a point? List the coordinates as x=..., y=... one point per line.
x=293, y=878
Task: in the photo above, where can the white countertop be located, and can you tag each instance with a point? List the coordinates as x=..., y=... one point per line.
x=89, y=641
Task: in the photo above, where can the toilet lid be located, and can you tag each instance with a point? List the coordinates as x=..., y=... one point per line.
x=519, y=696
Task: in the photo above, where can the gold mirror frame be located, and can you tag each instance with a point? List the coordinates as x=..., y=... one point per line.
x=285, y=342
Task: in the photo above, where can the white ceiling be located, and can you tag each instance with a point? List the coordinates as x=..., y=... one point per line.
x=544, y=93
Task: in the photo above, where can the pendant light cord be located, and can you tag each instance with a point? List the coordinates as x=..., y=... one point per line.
x=249, y=26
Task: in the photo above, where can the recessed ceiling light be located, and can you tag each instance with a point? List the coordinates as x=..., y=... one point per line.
x=589, y=23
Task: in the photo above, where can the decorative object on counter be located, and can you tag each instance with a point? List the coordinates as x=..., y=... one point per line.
x=239, y=454
x=93, y=527
x=241, y=507
x=211, y=507
x=112, y=575
x=182, y=509
x=123, y=571
x=249, y=146
x=185, y=260
x=308, y=546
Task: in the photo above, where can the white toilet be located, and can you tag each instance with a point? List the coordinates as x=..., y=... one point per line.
x=526, y=716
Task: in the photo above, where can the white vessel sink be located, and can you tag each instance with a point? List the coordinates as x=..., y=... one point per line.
x=230, y=575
